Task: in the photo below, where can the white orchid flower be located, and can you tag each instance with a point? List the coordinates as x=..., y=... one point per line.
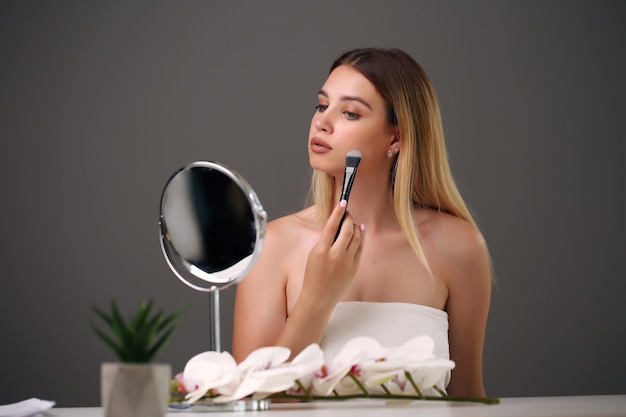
x=211, y=371
x=425, y=369
x=262, y=373
x=304, y=366
x=356, y=351
x=283, y=377
x=416, y=357
x=427, y=374
x=412, y=353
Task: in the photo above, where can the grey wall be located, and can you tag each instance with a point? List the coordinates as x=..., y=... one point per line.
x=101, y=101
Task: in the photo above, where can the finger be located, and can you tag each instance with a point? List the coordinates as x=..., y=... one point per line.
x=346, y=231
x=332, y=225
x=355, y=247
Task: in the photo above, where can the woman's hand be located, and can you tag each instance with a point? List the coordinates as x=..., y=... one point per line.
x=332, y=264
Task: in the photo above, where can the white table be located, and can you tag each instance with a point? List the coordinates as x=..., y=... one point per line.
x=588, y=406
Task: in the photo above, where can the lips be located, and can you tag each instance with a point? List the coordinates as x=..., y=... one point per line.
x=320, y=146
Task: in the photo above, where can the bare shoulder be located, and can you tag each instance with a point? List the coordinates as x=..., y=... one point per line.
x=456, y=247
x=288, y=230
x=284, y=235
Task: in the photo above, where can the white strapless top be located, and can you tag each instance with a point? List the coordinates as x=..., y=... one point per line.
x=391, y=324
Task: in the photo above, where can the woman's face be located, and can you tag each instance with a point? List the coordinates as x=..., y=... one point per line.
x=350, y=114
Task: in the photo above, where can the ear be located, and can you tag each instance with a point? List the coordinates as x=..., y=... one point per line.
x=396, y=136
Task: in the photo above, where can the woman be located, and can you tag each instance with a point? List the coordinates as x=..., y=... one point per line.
x=409, y=258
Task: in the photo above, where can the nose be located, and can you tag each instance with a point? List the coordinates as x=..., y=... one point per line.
x=323, y=122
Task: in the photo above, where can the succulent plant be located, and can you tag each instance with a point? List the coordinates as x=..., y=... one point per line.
x=141, y=337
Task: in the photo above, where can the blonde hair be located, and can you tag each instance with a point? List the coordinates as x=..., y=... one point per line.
x=422, y=176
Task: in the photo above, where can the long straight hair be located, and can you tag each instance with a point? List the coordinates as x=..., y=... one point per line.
x=421, y=176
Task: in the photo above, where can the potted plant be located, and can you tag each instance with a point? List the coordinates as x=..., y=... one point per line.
x=135, y=386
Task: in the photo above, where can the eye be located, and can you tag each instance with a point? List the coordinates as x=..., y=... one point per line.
x=352, y=116
x=321, y=108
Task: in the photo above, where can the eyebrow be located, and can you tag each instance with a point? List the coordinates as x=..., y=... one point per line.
x=348, y=98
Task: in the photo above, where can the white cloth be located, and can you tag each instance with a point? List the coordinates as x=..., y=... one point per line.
x=25, y=408
x=391, y=324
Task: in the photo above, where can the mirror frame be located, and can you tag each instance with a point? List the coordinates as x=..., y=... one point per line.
x=169, y=251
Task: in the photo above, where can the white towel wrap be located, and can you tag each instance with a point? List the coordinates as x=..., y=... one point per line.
x=391, y=324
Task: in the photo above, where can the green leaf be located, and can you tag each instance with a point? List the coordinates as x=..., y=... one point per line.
x=170, y=319
x=108, y=341
x=139, y=338
x=158, y=345
x=146, y=335
x=142, y=315
x=120, y=329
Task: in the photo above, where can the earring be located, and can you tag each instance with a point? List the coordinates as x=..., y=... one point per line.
x=390, y=153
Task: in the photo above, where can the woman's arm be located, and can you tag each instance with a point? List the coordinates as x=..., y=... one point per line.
x=261, y=300
x=468, y=277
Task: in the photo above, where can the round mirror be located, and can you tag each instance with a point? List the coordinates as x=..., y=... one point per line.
x=212, y=226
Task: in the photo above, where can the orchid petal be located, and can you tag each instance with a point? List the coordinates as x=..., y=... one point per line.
x=419, y=348
x=265, y=357
x=305, y=364
x=309, y=360
x=211, y=370
x=358, y=350
x=429, y=373
x=248, y=386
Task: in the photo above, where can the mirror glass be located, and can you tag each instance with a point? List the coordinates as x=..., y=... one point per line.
x=212, y=226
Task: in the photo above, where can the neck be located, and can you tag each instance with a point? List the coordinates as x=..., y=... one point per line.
x=371, y=202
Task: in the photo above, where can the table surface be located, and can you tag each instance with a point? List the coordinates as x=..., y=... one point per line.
x=576, y=406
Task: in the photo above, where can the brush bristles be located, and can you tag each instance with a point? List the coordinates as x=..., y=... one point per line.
x=353, y=158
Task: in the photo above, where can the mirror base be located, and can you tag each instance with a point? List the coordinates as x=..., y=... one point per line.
x=204, y=407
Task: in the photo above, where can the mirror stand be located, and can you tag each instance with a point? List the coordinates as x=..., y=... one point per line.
x=214, y=326
x=212, y=227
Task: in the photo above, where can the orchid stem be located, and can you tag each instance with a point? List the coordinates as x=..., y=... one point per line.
x=483, y=400
x=303, y=388
x=410, y=378
x=359, y=384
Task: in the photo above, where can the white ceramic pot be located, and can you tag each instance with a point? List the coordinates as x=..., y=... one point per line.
x=133, y=390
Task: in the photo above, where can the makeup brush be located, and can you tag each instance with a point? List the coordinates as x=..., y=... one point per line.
x=352, y=163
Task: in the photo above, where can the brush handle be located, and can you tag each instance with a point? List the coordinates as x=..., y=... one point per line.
x=348, y=180
x=353, y=158
x=343, y=217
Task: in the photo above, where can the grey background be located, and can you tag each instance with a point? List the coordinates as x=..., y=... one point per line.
x=101, y=101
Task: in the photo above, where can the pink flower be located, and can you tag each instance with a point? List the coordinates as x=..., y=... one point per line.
x=185, y=385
